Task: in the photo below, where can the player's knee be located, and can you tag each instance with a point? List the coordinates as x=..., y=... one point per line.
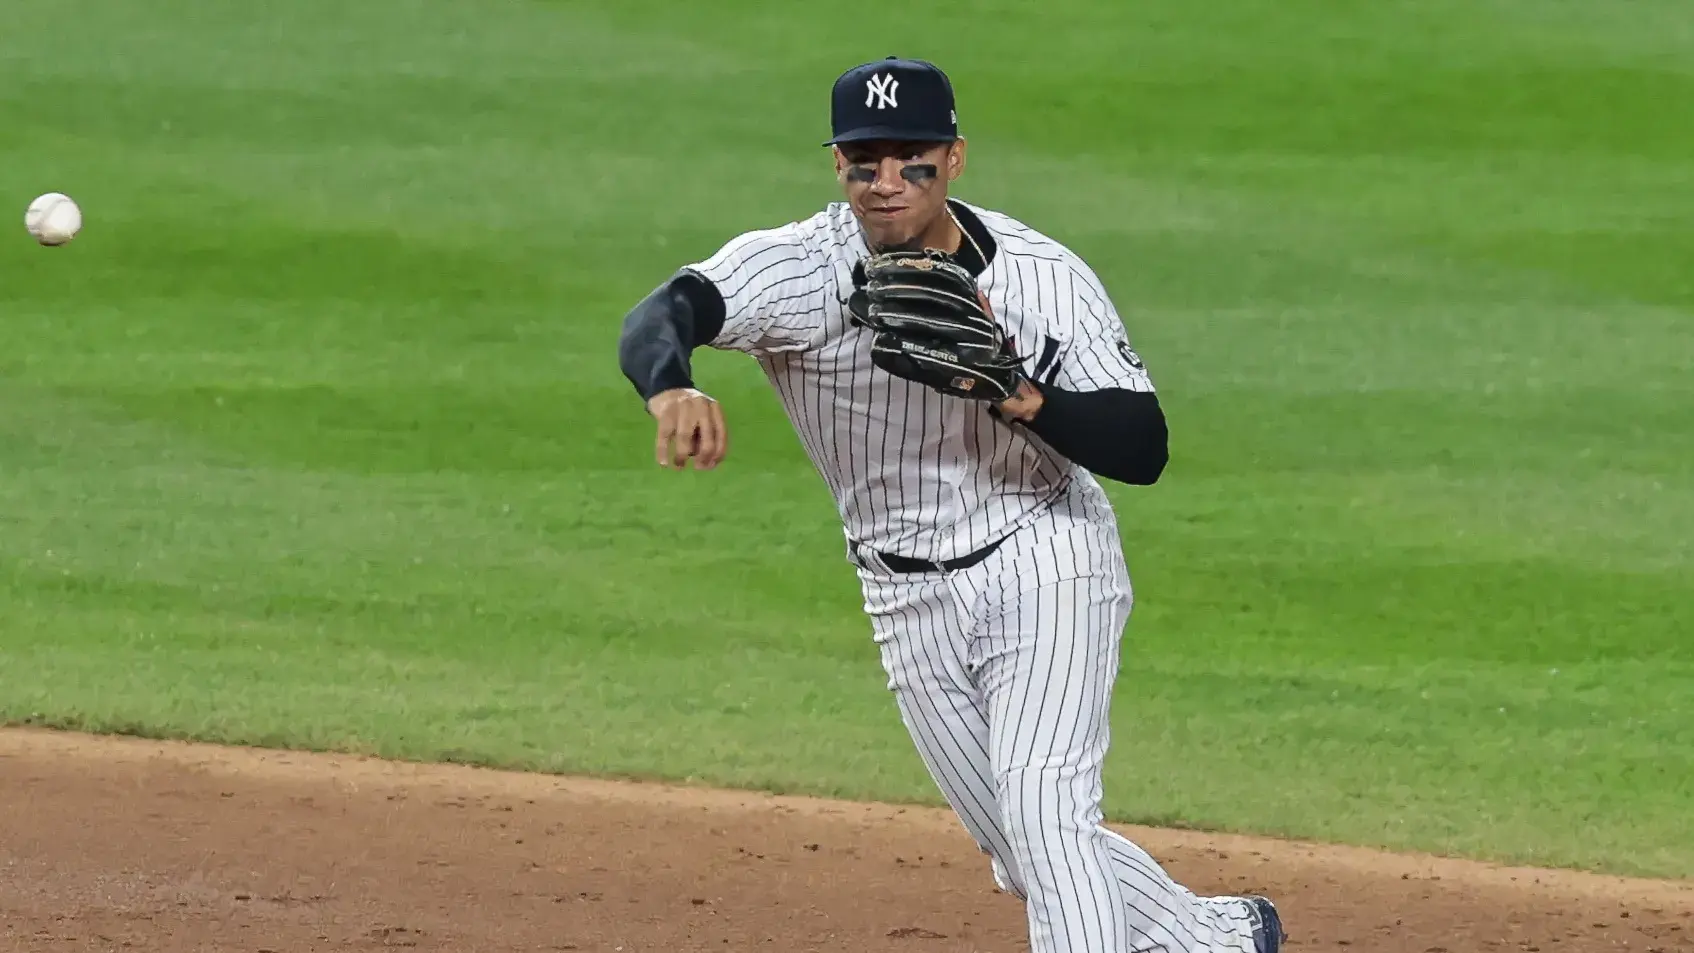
x=1046, y=813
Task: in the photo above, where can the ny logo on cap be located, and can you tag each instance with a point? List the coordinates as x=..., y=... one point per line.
x=880, y=89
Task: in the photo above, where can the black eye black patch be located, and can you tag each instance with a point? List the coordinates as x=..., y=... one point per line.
x=917, y=173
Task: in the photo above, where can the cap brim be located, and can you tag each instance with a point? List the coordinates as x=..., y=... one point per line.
x=891, y=134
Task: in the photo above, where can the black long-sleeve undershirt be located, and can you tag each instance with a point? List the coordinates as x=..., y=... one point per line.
x=1117, y=434
x=662, y=330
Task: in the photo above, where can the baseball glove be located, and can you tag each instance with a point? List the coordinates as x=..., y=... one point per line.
x=931, y=326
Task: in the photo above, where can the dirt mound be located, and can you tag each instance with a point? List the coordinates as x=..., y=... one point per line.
x=112, y=844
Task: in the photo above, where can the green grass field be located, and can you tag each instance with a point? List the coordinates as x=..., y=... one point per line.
x=316, y=435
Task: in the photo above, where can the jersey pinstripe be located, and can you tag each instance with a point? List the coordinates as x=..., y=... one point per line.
x=913, y=472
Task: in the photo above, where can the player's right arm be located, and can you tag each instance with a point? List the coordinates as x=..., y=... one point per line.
x=658, y=336
x=760, y=293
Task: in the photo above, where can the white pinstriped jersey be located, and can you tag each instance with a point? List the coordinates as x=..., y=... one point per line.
x=914, y=472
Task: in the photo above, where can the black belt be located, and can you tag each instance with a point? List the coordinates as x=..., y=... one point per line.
x=909, y=564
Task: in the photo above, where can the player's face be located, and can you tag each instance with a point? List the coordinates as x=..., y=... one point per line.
x=898, y=190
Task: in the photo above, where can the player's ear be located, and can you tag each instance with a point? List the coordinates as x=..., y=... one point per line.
x=840, y=164
x=956, y=158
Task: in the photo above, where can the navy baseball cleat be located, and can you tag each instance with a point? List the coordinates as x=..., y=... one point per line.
x=1268, y=934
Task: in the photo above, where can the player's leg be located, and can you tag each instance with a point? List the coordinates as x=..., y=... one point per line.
x=1046, y=657
x=1044, y=741
x=921, y=631
x=1229, y=921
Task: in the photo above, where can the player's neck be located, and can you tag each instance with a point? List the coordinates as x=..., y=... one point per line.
x=944, y=233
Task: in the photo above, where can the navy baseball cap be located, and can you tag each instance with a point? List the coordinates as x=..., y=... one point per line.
x=898, y=99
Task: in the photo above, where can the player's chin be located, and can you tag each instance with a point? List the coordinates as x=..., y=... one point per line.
x=889, y=239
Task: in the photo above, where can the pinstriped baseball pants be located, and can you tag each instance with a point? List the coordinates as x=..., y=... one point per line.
x=1003, y=674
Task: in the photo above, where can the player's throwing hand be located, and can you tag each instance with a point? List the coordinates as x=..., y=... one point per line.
x=690, y=427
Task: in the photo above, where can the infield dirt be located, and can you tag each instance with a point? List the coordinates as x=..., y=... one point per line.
x=120, y=843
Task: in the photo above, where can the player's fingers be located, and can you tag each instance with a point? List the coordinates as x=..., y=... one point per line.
x=693, y=433
x=683, y=446
x=666, y=433
x=661, y=443
x=711, y=447
x=723, y=434
x=705, y=441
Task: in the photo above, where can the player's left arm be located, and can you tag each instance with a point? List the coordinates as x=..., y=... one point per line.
x=1097, y=405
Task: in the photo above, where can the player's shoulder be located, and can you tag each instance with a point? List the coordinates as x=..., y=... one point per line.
x=815, y=236
x=1018, y=239
x=833, y=228
x=1019, y=242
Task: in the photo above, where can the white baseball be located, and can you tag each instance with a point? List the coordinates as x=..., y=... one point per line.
x=53, y=219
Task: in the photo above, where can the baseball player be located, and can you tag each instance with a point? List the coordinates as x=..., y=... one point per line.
x=960, y=381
